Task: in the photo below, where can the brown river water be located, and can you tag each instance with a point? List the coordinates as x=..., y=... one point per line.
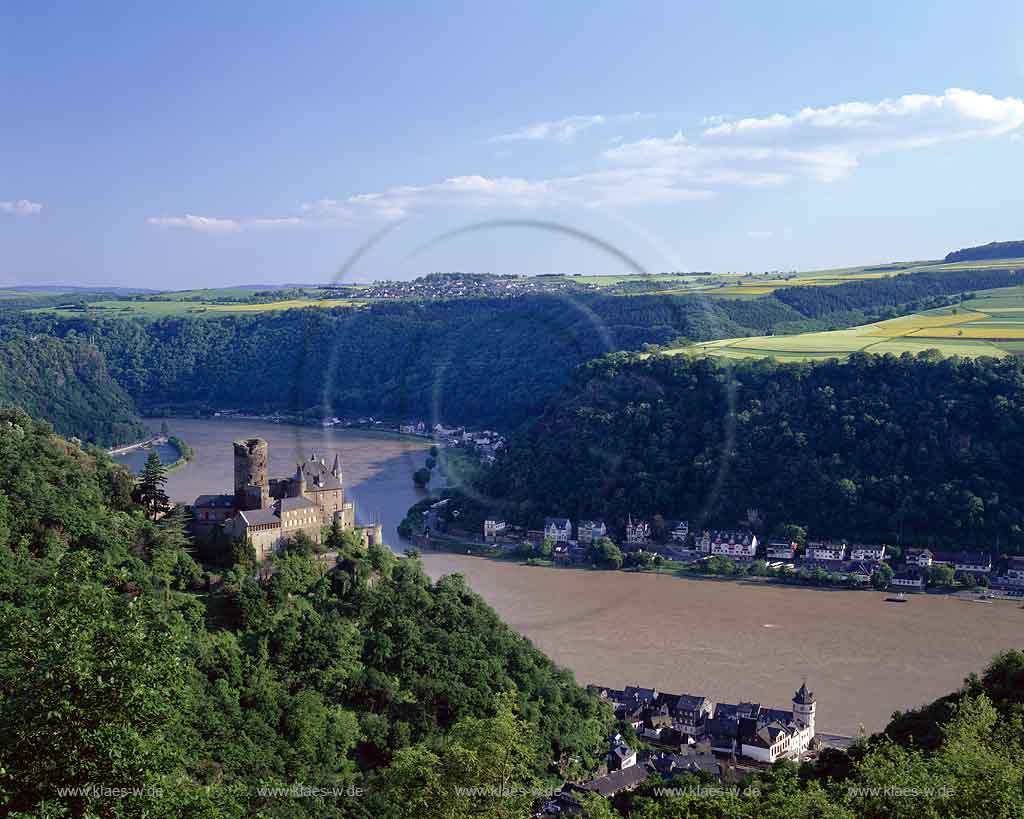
x=863, y=657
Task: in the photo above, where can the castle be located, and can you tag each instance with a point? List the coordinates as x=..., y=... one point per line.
x=268, y=512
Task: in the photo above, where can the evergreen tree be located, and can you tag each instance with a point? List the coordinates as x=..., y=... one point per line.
x=150, y=490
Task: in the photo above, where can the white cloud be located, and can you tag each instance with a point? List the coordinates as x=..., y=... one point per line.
x=818, y=144
x=822, y=144
x=904, y=122
x=203, y=224
x=21, y=207
x=562, y=130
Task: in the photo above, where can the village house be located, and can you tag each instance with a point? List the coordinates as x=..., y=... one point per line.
x=780, y=550
x=865, y=553
x=680, y=531
x=638, y=532
x=494, y=528
x=909, y=578
x=826, y=551
x=558, y=529
x=702, y=542
x=689, y=713
x=590, y=530
x=1015, y=571
x=735, y=544
x=965, y=562
x=621, y=755
x=922, y=558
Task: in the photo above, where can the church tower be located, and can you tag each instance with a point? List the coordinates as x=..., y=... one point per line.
x=804, y=706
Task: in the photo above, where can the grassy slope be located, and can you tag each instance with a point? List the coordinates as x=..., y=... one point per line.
x=991, y=324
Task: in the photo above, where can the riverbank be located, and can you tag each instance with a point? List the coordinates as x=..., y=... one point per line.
x=678, y=568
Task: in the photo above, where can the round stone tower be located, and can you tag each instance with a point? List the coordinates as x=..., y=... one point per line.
x=252, y=477
x=804, y=706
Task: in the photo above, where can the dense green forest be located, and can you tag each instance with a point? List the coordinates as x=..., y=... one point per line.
x=487, y=362
x=483, y=361
x=67, y=382
x=127, y=689
x=913, y=450
x=911, y=290
x=993, y=250
x=119, y=670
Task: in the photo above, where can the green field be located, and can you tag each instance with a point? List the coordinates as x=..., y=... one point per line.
x=991, y=324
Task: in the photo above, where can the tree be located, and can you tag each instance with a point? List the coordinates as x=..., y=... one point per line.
x=940, y=575
x=92, y=688
x=421, y=477
x=150, y=489
x=881, y=576
x=606, y=554
x=791, y=533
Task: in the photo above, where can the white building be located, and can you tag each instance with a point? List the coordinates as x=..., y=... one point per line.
x=1015, y=571
x=781, y=550
x=910, y=578
x=826, y=551
x=591, y=530
x=863, y=553
x=734, y=544
x=558, y=529
x=493, y=528
x=680, y=531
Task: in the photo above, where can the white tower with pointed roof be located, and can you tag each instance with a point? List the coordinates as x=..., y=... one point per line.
x=804, y=706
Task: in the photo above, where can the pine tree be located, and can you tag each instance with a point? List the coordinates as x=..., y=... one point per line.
x=150, y=490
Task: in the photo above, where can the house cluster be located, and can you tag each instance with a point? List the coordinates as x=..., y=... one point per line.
x=746, y=729
x=917, y=561
x=486, y=442
x=689, y=733
x=470, y=285
x=847, y=562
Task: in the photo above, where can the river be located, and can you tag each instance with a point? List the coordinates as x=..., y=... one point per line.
x=862, y=656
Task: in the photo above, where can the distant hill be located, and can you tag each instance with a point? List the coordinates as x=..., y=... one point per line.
x=993, y=250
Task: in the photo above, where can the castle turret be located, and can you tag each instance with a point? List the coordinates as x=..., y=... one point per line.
x=804, y=706
x=336, y=468
x=252, y=479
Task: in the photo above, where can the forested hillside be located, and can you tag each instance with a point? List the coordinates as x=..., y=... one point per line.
x=66, y=381
x=875, y=296
x=128, y=690
x=914, y=450
x=484, y=362
x=118, y=670
x=993, y=250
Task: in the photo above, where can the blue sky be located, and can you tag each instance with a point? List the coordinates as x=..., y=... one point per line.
x=169, y=145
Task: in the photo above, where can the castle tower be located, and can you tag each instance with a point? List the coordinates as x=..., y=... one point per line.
x=804, y=706
x=300, y=481
x=252, y=478
x=336, y=468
